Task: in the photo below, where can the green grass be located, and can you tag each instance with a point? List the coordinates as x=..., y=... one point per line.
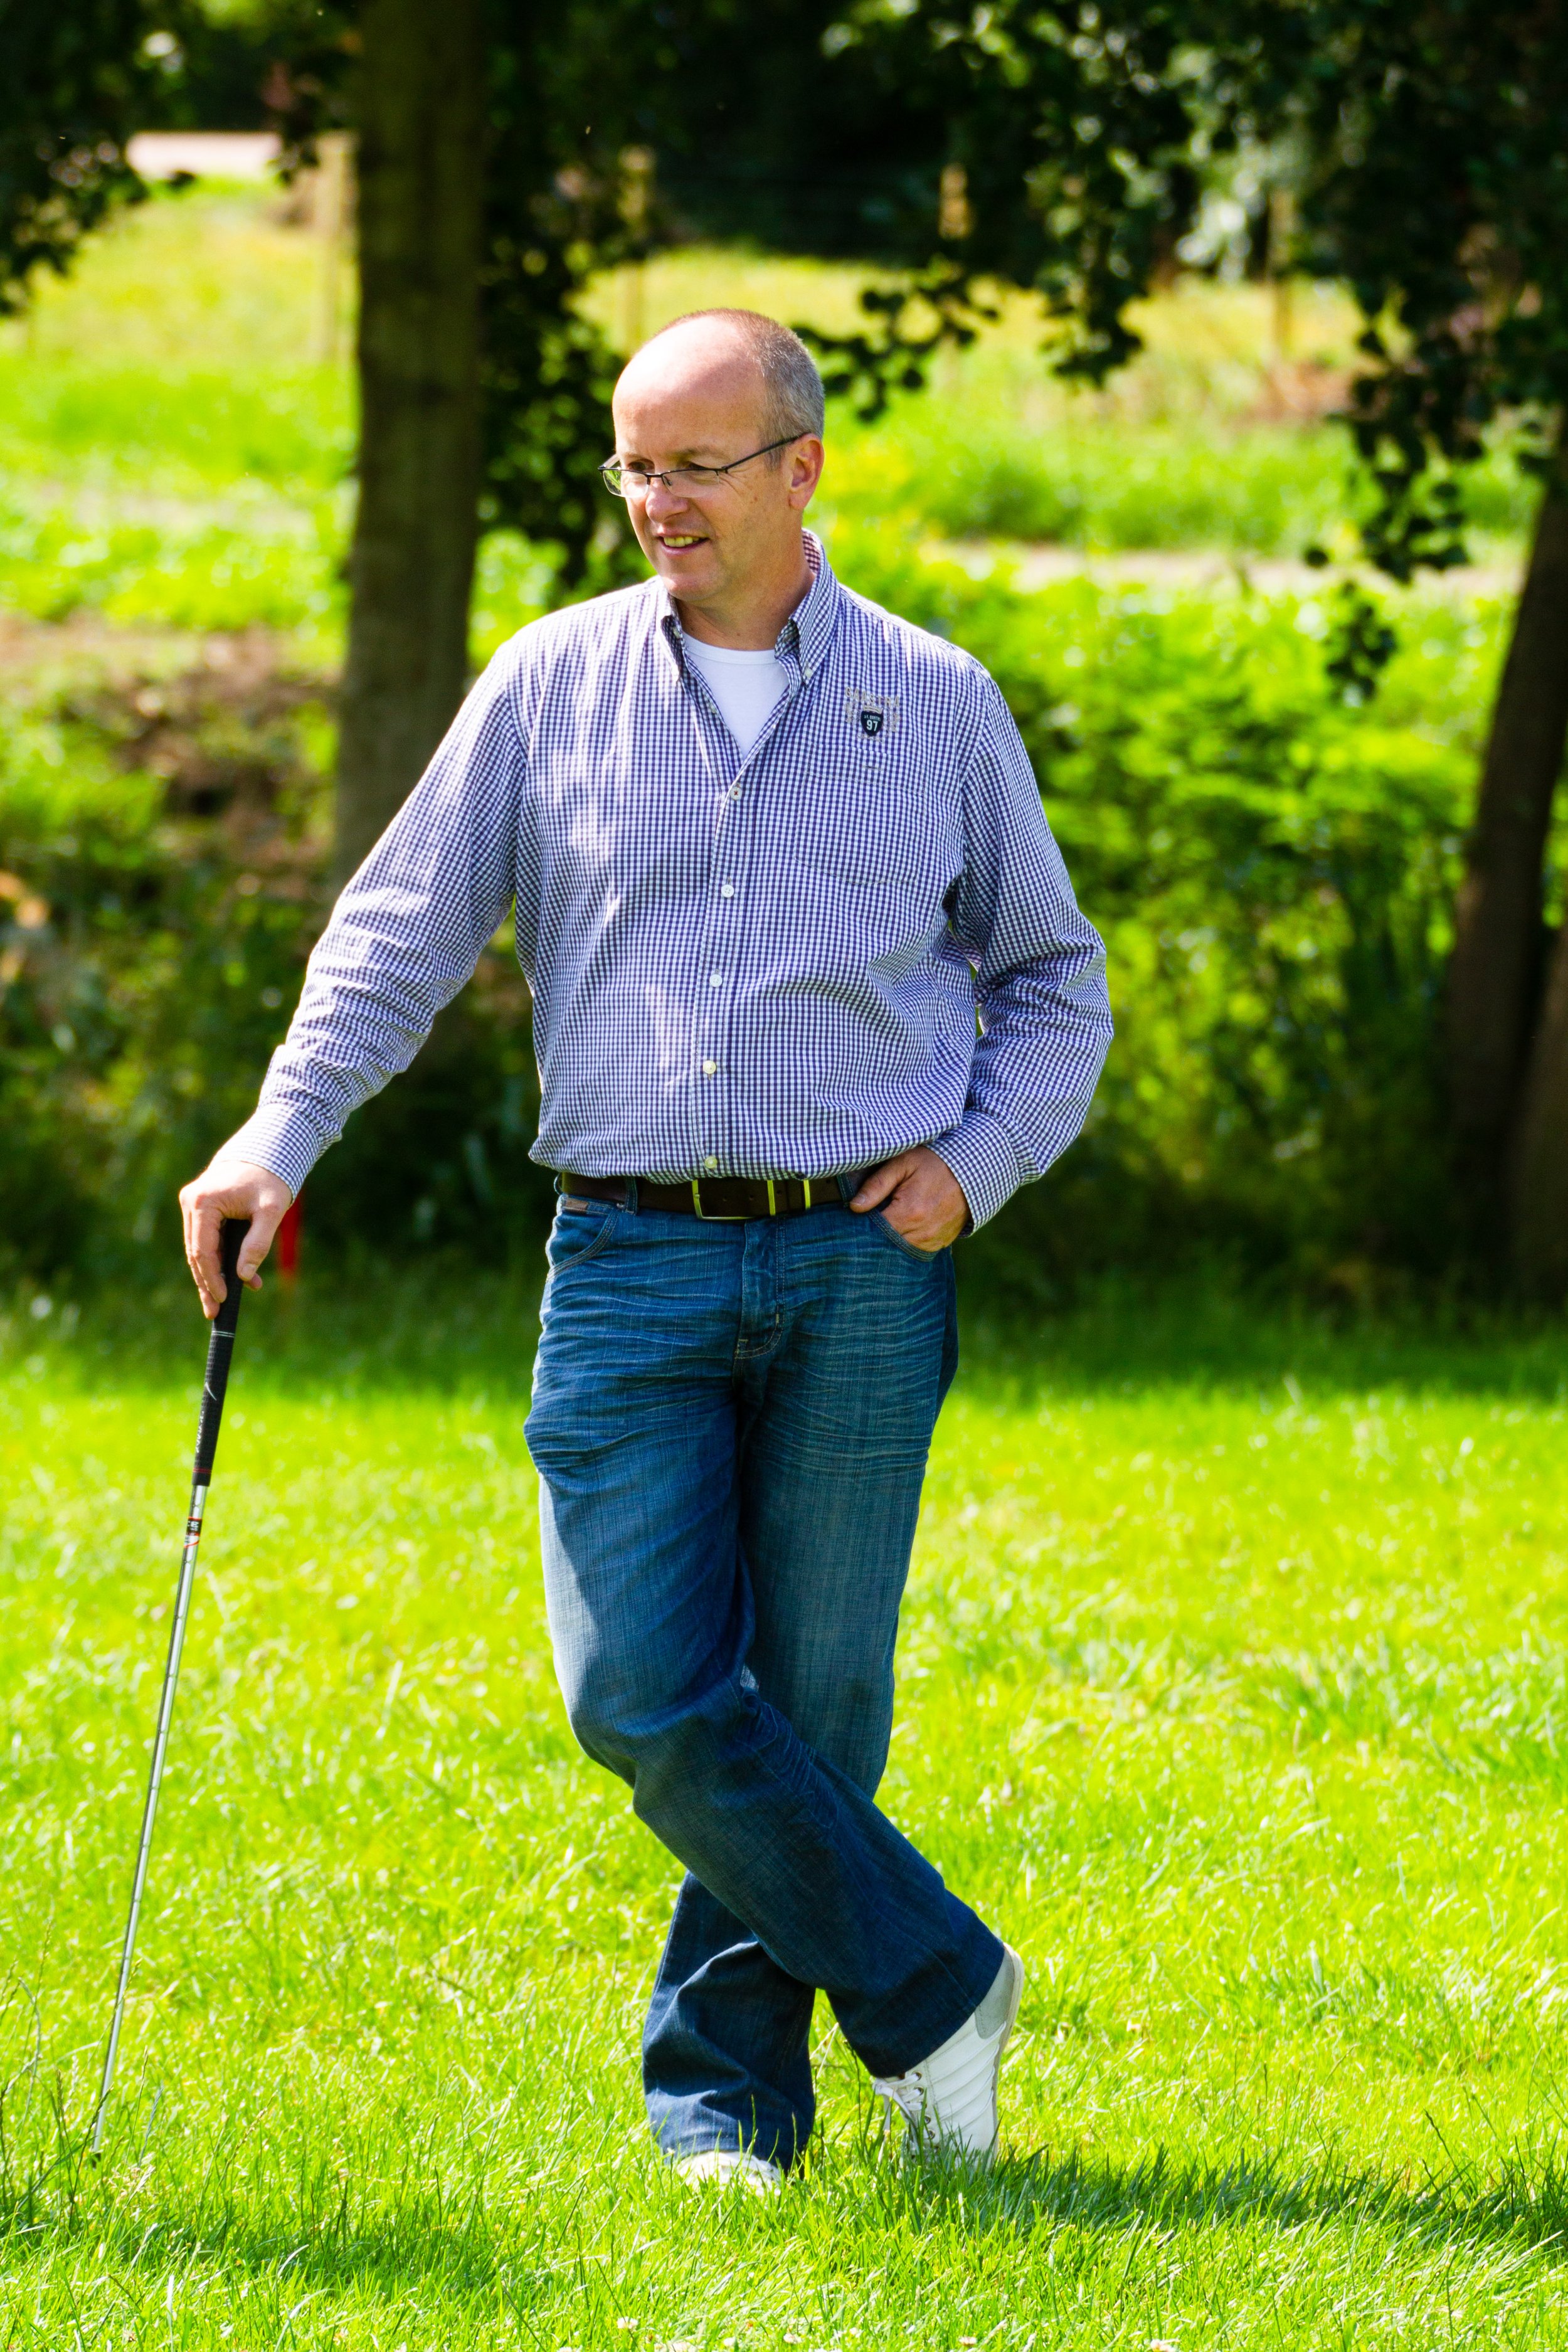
x=978, y=468
x=1232, y=1686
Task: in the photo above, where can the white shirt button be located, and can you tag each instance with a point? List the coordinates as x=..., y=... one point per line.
x=709, y=1069
x=734, y=791
x=710, y=1162
x=715, y=980
x=726, y=889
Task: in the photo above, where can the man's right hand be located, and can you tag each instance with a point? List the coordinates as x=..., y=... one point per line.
x=230, y=1188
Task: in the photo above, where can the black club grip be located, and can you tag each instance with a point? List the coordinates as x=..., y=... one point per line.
x=220, y=1349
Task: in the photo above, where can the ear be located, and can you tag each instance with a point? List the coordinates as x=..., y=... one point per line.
x=806, y=460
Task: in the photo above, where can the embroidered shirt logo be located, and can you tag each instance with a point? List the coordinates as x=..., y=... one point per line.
x=874, y=714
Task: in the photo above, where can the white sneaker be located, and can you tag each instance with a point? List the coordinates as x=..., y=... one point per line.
x=949, y=2100
x=733, y=2167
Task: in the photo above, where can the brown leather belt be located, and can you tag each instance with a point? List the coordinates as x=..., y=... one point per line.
x=722, y=1200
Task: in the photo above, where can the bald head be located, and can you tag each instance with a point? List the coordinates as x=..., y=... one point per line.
x=737, y=353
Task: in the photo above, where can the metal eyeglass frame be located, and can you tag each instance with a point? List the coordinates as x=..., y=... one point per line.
x=671, y=474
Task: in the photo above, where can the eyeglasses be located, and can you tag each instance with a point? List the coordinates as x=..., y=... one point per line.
x=622, y=480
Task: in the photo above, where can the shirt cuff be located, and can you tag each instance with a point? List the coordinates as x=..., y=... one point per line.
x=986, y=1162
x=280, y=1138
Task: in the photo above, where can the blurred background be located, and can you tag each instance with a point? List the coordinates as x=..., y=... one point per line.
x=1204, y=391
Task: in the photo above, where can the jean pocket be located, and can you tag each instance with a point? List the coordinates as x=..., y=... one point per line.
x=905, y=1248
x=579, y=1232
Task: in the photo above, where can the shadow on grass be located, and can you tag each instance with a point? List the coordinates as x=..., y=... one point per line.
x=457, y=2242
x=1522, y=2200
x=421, y=2234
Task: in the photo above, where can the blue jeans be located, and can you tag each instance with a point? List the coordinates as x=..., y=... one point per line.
x=730, y=1424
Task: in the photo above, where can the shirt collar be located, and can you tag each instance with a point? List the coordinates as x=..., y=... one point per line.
x=809, y=632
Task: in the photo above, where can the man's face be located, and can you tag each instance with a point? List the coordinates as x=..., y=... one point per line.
x=695, y=396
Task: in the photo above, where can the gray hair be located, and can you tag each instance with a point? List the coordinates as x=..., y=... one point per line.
x=794, y=403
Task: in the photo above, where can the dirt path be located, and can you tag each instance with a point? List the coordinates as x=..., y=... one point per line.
x=1207, y=567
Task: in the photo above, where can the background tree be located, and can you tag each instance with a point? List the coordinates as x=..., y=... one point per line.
x=493, y=185
x=1436, y=187
x=419, y=109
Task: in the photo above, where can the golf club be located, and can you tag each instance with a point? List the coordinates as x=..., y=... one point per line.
x=220, y=1351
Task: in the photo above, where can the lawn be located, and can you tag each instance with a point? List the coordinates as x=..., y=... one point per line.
x=1232, y=1688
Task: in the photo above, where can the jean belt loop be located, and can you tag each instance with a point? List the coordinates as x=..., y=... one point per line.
x=631, y=1199
x=847, y=1188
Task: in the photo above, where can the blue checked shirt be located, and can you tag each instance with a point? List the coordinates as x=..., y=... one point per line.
x=858, y=939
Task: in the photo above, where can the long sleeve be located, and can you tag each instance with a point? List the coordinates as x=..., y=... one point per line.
x=705, y=998
x=404, y=937
x=1040, y=974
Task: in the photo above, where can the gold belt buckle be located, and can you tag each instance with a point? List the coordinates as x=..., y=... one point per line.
x=702, y=1212
x=708, y=1218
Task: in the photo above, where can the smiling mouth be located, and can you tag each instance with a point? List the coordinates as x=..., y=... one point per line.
x=679, y=540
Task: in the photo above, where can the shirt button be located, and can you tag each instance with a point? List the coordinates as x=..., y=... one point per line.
x=709, y=1068
x=715, y=980
x=734, y=791
x=726, y=889
x=711, y=1163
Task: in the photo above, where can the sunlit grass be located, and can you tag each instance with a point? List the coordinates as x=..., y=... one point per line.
x=211, y=276
x=1211, y=340
x=1232, y=1686
x=171, y=451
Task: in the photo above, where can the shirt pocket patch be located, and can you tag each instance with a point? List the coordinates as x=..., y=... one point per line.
x=875, y=717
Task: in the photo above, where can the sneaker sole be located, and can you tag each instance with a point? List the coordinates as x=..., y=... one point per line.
x=1018, y=1974
x=756, y=2178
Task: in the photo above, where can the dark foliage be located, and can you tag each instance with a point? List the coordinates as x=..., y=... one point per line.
x=564, y=197
x=1047, y=147
x=1436, y=185
x=77, y=81
x=1062, y=148
x=153, y=931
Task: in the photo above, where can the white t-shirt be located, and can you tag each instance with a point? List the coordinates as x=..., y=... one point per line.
x=746, y=686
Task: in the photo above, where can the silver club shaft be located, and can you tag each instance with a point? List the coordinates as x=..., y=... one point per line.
x=149, y=1810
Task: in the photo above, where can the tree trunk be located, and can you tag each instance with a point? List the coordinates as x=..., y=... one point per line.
x=412, y=561
x=1495, y=975
x=1540, y=1202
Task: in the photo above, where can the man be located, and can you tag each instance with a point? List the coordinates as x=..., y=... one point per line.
x=812, y=996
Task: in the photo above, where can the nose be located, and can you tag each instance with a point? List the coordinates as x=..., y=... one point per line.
x=662, y=504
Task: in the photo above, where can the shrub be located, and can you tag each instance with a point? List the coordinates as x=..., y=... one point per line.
x=154, y=931
x=1272, y=869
